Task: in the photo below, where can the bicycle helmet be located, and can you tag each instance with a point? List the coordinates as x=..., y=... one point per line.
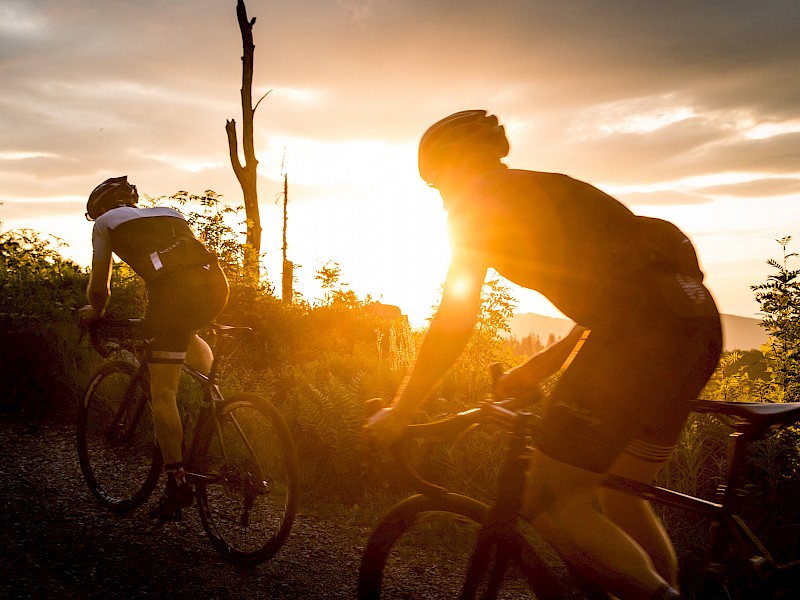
x=468, y=131
x=109, y=194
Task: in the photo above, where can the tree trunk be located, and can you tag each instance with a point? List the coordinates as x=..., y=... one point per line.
x=246, y=174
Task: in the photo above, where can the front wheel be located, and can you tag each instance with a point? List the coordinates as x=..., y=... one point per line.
x=423, y=548
x=248, y=480
x=117, y=449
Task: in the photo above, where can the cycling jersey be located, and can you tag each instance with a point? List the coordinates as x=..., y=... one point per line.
x=186, y=288
x=571, y=242
x=635, y=282
x=153, y=241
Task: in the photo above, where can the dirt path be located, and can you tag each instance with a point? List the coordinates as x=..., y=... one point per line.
x=57, y=542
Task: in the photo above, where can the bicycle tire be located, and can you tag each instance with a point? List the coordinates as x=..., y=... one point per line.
x=117, y=449
x=249, y=486
x=443, y=533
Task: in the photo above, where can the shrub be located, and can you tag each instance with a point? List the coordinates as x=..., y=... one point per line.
x=36, y=280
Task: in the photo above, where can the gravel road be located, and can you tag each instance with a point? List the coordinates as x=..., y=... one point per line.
x=57, y=542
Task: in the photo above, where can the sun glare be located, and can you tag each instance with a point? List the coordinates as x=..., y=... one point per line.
x=368, y=210
x=361, y=204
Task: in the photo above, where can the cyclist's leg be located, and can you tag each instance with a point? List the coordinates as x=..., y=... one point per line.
x=199, y=355
x=205, y=295
x=167, y=326
x=683, y=377
x=164, y=379
x=177, y=308
x=599, y=404
x=560, y=505
x=637, y=517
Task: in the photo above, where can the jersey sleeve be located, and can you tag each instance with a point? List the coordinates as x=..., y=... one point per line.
x=101, y=256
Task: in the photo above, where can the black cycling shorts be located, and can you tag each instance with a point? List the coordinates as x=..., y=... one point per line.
x=631, y=384
x=178, y=307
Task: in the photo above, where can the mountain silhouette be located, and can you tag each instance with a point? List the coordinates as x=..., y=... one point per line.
x=738, y=333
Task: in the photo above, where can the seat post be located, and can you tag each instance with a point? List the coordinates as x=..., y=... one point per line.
x=738, y=441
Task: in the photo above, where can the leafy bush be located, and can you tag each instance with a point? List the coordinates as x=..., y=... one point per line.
x=779, y=298
x=36, y=279
x=38, y=336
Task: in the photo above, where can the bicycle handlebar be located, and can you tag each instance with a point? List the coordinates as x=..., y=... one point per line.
x=507, y=413
x=106, y=327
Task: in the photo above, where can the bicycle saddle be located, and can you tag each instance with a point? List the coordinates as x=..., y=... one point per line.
x=761, y=414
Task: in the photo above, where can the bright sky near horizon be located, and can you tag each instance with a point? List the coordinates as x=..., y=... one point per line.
x=688, y=111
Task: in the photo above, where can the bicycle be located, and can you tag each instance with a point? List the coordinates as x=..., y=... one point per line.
x=501, y=556
x=240, y=460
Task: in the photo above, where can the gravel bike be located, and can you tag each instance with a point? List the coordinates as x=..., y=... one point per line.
x=474, y=550
x=240, y=457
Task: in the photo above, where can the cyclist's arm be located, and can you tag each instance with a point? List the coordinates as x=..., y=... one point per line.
x=99, y=290
x=447, y=335
x=522, y=379
x=446, y=338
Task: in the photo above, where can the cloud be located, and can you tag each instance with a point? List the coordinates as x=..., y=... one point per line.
x=757, y=188
x=662, y=198
x=18, y=211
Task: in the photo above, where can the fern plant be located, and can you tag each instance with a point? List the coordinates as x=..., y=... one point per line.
x=329, y=415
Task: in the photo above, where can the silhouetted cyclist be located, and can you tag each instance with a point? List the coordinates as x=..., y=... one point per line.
x=186, y=290
x=647, y=339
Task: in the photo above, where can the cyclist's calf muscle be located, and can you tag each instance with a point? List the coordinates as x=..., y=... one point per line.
x=561, y=507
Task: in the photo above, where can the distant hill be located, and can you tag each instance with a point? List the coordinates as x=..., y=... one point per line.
x=525, y=324
x=742, y=333
x=739, y=333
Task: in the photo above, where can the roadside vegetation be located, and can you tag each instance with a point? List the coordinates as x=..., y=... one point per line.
x=319, y=362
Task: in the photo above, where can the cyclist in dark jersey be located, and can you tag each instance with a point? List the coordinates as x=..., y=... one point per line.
x=186, y=290
x=647, y=338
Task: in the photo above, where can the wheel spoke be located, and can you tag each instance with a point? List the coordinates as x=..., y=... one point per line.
x=116, y=444
x=248, y=501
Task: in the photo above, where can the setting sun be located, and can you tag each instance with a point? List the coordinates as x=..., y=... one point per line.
x=390, y=241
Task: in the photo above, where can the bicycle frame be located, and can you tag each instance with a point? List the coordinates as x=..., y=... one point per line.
x=207, y=415
x=750, y=422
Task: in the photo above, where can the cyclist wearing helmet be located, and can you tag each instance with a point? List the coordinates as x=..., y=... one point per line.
x=186, y=290
x=647, y=338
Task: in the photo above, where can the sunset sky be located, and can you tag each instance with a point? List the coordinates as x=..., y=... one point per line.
x=688, y=111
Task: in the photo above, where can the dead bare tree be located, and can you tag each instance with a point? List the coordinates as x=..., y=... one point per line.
x=246, y=174
x=287, y=281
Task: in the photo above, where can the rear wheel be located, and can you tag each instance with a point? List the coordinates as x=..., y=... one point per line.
x=117, y=451
x=248, y=481
x=423, y=546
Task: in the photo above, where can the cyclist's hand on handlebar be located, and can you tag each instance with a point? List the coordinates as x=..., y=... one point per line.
x=508, y=384
x=514, y=384
x=385, y=427
x=88, y=313
x=503, y=388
